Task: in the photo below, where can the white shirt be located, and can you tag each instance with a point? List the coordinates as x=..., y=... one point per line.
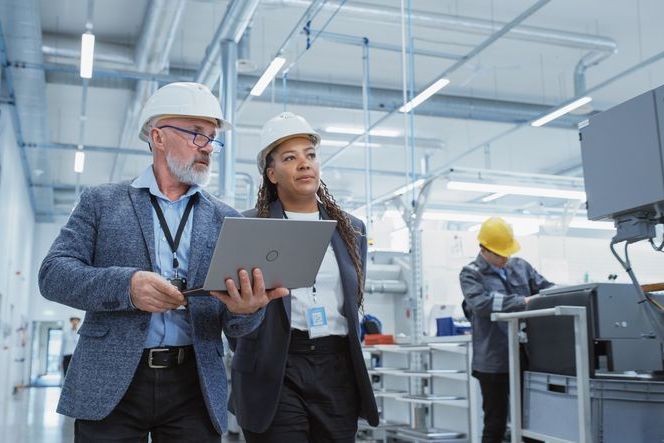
x=69, y=340
x=329, y=291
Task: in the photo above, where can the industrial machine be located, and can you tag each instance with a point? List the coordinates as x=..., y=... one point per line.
x=618, y=395
x=620, y=339
x=623, y=161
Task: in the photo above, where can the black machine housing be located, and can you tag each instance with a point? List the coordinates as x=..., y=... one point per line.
x=621, y=339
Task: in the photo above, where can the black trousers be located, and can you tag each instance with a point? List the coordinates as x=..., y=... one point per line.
x=66, y=359
x=495, y=404
x=319, y=400
x=165, y=403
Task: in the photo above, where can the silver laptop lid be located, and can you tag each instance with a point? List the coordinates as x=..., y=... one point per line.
x=288, y=252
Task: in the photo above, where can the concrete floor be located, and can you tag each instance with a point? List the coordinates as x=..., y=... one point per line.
x=31, y=418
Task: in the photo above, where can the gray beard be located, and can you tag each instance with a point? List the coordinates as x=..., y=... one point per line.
x=186, y=173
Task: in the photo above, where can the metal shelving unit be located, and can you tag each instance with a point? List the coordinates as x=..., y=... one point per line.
x=446, y=397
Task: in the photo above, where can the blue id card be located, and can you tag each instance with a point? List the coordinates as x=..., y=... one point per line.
x=317, y=322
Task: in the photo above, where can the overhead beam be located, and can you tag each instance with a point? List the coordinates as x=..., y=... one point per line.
x=486, y=43
x=331, y=95
x=112, y=150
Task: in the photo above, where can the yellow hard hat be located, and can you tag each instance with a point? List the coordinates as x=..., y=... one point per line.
x=496, y=235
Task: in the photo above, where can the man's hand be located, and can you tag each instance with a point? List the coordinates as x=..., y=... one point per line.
x=247, y=300
x=153, y=293
x=532, y=297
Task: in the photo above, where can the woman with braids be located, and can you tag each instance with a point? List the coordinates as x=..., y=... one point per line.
x=292, y=382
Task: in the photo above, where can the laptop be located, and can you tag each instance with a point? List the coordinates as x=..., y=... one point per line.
x=288, y=252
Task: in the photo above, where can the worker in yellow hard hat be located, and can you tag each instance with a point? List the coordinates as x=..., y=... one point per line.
x=495, y=282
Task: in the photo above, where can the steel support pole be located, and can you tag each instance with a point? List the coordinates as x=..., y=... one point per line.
x=582, y=376
x=515, y=379
x=227, y=92
x=368, y=161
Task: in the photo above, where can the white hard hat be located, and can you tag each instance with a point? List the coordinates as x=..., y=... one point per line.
x=181, y=99
x=281, y=128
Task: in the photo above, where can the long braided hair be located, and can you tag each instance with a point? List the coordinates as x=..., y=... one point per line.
x=268, y=193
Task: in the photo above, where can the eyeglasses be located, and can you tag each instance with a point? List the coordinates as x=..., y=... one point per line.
x=200, y=140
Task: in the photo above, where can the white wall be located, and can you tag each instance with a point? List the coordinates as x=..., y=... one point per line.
x=16, y=240
x=565, y=260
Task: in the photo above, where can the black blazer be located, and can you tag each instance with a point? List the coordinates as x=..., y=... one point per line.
x=259, y=363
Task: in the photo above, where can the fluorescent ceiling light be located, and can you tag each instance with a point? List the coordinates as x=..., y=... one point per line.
x=476, y=218
x=340, y=143
x=355, y=130
x=454, y=216
x=268, y=75
x=424, y=95
x=87, y=54
x=79, y=162
x=582, y=223
x=517, y=190
x=522, y=225
x=561, y=111
x=492, y=197
x=409, y=187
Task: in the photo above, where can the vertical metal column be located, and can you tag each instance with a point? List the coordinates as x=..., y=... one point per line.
x=411, y=95
x=84, y=100
x=415, y=234
x=582, y=375
x=515, y=379
x=284, y=86
x=412, y=215
x=368, y=193
x=416, y=260
x=228, y=93
x=81, y=130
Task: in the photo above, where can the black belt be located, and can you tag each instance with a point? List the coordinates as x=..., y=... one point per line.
x=164, y=358
x=300, y=343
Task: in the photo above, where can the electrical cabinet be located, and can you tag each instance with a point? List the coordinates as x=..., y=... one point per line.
x=623, y=158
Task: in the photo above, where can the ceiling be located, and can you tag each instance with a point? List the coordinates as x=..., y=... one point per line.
x=520, y=75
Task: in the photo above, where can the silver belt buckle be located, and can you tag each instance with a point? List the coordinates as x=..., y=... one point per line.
x=150, y=356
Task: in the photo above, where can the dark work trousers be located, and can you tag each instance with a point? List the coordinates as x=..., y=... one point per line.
x=495, y=404
x=167, y=403
x=319, y=400
x=66, y=359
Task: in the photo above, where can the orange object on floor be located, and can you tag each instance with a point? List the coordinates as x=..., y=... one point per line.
x=378, y=339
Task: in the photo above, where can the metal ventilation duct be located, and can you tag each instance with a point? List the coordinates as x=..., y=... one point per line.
x=383, y=14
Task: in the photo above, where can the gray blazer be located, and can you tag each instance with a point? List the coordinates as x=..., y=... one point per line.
x=109, y=237
x=485, y=292
x=259, y=362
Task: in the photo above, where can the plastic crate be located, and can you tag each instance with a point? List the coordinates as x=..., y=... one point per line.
x=622, y=411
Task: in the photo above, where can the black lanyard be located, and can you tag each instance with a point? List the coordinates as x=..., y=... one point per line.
x=164, y=226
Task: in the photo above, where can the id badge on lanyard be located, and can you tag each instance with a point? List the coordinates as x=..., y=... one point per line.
x=316, y=318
